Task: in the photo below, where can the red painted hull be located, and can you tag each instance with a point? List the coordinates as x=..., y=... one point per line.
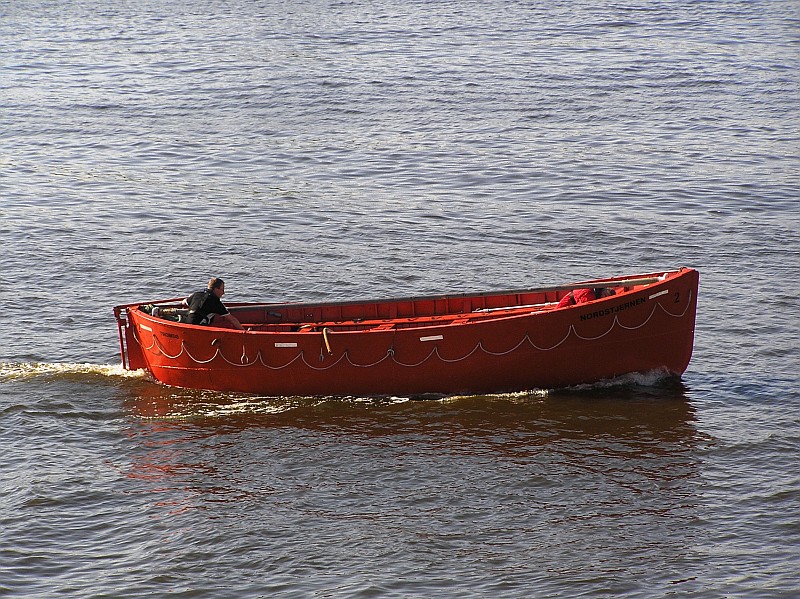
x=461, y=344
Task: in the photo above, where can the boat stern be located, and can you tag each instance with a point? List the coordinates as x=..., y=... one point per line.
x=129, y=348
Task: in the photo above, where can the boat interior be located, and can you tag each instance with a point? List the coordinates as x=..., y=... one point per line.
x=399, y=313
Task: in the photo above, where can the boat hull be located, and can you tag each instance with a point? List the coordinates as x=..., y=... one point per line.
x=639, y=330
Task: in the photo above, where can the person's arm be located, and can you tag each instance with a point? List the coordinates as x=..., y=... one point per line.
x=224, y=315
x=232, y=321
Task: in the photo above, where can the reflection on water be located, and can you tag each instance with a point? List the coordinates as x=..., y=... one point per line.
x=624, y=409
x=200, y=447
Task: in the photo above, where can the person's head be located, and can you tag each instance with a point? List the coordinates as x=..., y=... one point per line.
x=604, y=292
x=216, y=286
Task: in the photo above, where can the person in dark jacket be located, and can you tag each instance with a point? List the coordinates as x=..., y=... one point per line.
x=206, y=307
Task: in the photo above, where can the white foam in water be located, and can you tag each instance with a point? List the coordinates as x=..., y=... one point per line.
x=27, y=370
x=650, y=378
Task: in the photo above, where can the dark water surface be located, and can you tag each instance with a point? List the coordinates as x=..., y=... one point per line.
x=336, y=150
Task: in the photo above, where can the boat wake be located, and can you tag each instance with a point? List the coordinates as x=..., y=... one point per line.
x=651, y=378
x=11, y=371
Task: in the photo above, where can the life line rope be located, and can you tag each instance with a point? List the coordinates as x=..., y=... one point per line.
x=244, y=361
